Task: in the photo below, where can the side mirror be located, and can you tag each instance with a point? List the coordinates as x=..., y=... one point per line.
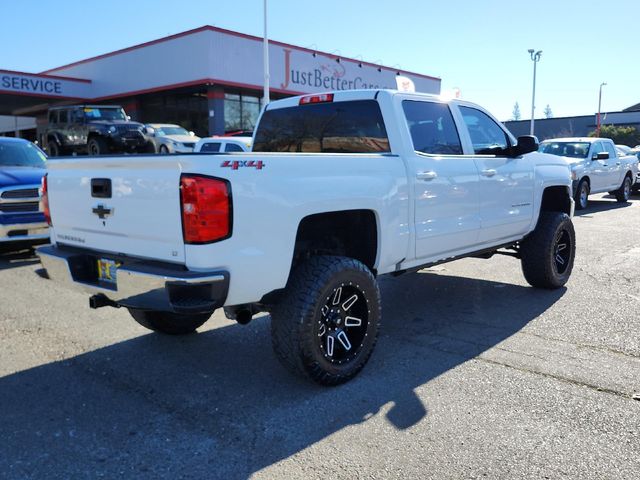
x=192, y=134
x=128, y=118
x=526, y=144
x=600, y=156
x=149, y=131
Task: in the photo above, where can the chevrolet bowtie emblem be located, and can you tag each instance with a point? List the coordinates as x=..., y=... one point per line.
x=102, y=212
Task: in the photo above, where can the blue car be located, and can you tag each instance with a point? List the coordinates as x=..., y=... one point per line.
x=22, y=166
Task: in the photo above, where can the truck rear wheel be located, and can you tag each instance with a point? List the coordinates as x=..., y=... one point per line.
x=547, y=254
x=326, y=325
x=624, y=192
x=168, y=322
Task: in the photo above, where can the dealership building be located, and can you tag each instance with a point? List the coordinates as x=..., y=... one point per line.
x=208, y=80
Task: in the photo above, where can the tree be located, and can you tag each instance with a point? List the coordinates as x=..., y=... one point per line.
x=620, y=135
x=547, y=112
x=516, y=112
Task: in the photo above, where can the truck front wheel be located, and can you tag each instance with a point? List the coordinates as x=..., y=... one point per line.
x=168, y=322
x=97, y=146
x=582, y=195
x=547, y=254
x=326, y=325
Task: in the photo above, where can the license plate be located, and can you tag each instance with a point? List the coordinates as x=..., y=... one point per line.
x=107, y=270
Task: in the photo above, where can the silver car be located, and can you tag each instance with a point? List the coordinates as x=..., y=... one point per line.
x=169, y=138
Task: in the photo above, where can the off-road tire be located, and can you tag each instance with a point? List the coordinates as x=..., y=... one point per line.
x=53, y=149
x=545, y=262
x=97, y=146
x=624, y=192
x=168, y=322
x=296, y=321
x=582, y=200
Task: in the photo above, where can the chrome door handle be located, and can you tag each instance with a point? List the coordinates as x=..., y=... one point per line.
x=489, y=172
x=618, y=163
x=430, y=175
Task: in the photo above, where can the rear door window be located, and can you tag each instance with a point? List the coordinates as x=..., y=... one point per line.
x=432, y=128
x=232, y=147
x=210, y=147
x=608, y=147
x=335, y=127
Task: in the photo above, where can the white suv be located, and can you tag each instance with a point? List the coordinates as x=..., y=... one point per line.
x=223, y=144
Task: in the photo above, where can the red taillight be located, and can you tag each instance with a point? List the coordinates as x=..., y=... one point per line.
x=44, y=200
x=320, y=98
x=206, y=209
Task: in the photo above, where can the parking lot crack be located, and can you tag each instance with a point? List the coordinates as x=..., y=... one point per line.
x=557, y=377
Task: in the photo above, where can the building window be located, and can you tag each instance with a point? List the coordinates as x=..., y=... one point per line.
x=240, y=112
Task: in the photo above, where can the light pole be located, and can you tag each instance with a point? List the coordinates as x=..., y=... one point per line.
x=535, y=57
x=599, y=105
x=265, y=58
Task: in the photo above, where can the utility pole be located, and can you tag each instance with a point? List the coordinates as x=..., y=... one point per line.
x=535, y=57
x=265, y=59
x=599, y=105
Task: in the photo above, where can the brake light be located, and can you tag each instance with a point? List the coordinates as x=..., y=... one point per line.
x=320, y=98
x=44, y=200
x=206, y=209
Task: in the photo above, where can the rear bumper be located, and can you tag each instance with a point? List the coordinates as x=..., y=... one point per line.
x=24, y=232
x=140, y=284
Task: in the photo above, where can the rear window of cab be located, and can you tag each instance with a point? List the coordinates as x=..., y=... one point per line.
x=332, y=127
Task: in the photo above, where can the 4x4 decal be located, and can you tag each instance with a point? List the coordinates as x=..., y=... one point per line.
x=235, y=164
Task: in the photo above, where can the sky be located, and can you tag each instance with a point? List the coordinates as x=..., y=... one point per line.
x=479, y=47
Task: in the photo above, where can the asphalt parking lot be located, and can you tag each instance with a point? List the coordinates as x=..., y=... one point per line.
x=476, y=375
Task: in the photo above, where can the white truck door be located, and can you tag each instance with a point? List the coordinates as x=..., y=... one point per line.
x=616, y=171
x=445, y=182
x=598, y=169
x=506, y=183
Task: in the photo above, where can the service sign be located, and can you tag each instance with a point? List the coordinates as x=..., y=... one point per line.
x=43, y=85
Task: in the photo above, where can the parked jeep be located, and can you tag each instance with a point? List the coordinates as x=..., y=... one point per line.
x=94, y=129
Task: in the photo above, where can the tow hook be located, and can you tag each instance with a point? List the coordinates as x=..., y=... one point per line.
x=100, y=300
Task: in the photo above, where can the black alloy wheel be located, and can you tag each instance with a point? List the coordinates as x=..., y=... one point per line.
x=343, y=324
x=562, y=251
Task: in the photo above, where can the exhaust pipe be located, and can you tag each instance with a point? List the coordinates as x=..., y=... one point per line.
x=243, y=317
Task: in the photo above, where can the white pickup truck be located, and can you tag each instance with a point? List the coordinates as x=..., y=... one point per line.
x=340, y=188
x=596, y=167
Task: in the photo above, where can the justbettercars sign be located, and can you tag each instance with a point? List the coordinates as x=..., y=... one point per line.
x=301, y=71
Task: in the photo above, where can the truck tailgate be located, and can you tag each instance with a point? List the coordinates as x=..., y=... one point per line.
x=126, y=205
